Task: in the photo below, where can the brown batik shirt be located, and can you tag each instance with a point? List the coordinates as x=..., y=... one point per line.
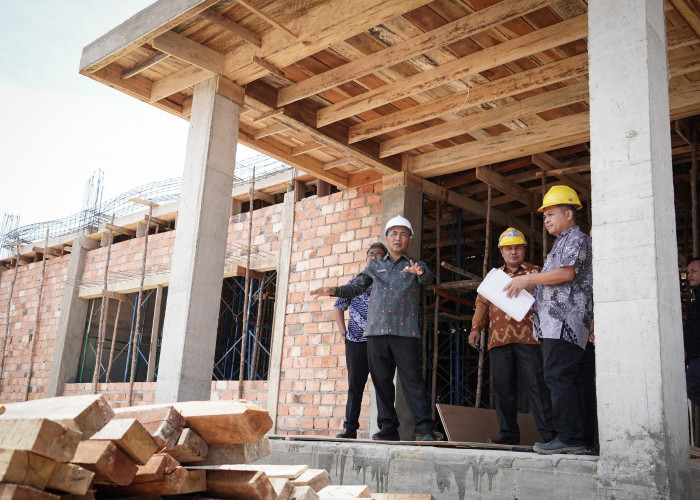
x=502, y=328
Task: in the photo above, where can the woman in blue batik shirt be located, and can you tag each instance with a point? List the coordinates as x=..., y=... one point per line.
x=355, y=347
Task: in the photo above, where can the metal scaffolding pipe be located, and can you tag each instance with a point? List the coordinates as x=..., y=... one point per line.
x=104, y=312
x=246, y=291
x=484, y=270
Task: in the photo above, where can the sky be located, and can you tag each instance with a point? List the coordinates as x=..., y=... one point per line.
x=58, y=126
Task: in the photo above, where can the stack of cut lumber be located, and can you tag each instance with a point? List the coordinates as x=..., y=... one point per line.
x=80, y=448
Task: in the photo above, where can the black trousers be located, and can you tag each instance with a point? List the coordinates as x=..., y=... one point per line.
x=358, y=370
x=692, y=379
x=387, y=354
x=561, y=375
x=505, y=361
x=586, y=372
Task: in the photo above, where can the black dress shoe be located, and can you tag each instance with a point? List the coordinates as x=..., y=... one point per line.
x=428, y=436
x=347, y=434
x=503, y=441
x=387, y=435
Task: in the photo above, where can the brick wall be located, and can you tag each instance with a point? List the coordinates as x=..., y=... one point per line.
x=23, y=311
x=331, y=235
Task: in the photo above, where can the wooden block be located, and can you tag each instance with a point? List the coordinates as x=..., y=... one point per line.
x=224, y=422
x=284, y=471
x=239, y=484
x=164, y=424
x=157, y=466
x=243, y=453
x=402, y=496
x=316, y=478
x=106, y=460
x=90, y=495
x=189, y=448
x=196, y=481
x=476, y=425
x=283, y=487
x=86, y=414
x=41, y=436
x=21, y=467
x=9, y=491
x=345, y=491
x=169, y=484
x=131, y=437
x=71, y=478
x=303, y=493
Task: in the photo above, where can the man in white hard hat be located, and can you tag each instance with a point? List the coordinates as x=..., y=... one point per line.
x=393, y=336
x=563, y=313
x=513, y=347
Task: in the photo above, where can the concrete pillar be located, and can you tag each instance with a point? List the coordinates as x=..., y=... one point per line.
x=194, y=293
x=71, y=326
x=406, y=201
x=642, y=410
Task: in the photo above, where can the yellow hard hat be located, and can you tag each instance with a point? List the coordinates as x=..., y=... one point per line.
x=560, y=195
x=511, y=236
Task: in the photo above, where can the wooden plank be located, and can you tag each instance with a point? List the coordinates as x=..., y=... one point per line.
x=345, y=491
x=271, y=470
x=239, y=484
x=195, y=482
x=130, y=437
x=550, y=164
x=22, y=467
x=246, y=4
x=463, y=423
x=71, y=478
x=9, y=491
x=232, y=26
x=86, y=414
x=337, y=163
x=165, y=424
x=120, y=230
x=317, y=479
x=491, y=57
x=477, y=121
x=269, y=67
x=106, y=461
x=185, y=78
x=143, y=65
x=256, y=275
x=305, y=148
x=169, y=484
x=113, y=295
x=682, y=63
x=271, y=130
x=269, y=114
x=190, y=448
x=41, y=436
x=230, y=90
x=141, y=201
x=688, y=11
x=223, y=422
x=457, y=30
x=504, y=185
x=283, y=488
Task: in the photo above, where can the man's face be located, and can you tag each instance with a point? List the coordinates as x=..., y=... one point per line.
x=556, y=219
x=374, y=253
x=694, y=273
x=398, y=239
x=513, y=255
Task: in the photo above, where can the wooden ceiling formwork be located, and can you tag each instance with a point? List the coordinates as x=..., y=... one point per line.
x=467, y=93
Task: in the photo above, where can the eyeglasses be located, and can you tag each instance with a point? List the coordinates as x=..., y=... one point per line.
x=399, y=234
x=375, y=255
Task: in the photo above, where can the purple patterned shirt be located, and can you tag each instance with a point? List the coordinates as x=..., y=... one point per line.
x=358, y=314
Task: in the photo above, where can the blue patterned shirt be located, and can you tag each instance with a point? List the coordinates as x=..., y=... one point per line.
x=565, y=311
x=358, y=314
x=394, y=304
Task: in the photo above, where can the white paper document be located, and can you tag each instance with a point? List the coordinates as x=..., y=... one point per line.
x=492, y=289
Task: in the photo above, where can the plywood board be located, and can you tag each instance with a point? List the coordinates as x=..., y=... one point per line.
x=464, y=423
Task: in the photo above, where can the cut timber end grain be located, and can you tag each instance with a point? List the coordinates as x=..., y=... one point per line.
x=131, y=437
x=196, y=481
x=170, y=484
x=157, y=466
x=189, y=448
x=283, y=487
x=345, y=491
x=284, y=471
x=239, y=484
x=317, y=479
x=164, y=424
x=71, y=478
x=86, y=414
x=10, y=491
x=26, y=468
x=303, y=493
x=41, y=436
x=106, y=461
x=243, y=453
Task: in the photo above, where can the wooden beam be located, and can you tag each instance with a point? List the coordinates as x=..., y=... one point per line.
x=269, y=67
x=266, y=18
x=137, y=86
x=113, y=295
x=337, y=163
x=144, y=65
x=477, y=121
x=230, y=90
x=269, y=114
x=465, y=27
x=271, y=130
x=546, y=136
x=232, y=26
x=120, y=230
x=305, y=148
x=556, y=172
x=185, y=78
x=525, y=81
x=141, y=201
x=504, y=185
x=190, y=51
x=682, y=63
x=491, y=57
x=261, y=195
x=157, y=221
x=689, y=12
x=548, y=163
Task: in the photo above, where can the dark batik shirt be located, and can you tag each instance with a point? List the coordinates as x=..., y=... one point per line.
x=691, y=327
x=358, y=314
x=565, y=311
x=394, y=303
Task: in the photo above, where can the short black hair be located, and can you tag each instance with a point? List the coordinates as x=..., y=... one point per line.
x=693, y=259
x=381, y=246
x=573, y=209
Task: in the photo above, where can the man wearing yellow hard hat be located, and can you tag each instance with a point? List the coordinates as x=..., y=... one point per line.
x=511, y=346
x=563, y=313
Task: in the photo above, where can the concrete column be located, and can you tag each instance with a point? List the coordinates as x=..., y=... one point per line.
x=406, y=201
x=194, y=293
x=642, y=410
x=71, y=326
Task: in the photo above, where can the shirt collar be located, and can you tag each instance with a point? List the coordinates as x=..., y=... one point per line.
x=567, y=231
x=388, y=257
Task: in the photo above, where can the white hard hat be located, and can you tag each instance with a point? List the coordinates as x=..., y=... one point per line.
x=398, y=221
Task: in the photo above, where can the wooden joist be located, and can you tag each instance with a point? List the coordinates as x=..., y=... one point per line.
x=271, y=130
x=185, y=78
x=189, y=448
x=109, y=294
x=266, y=18
x=40, y=436
x=120, y=230
x=22, y=467
x=305, y=148
x=504, y=185
x=239, y=484
x=9, y=491
x=190, y=51
x=165, y=424
x=339, y=162
x=232, y=26
x=106, y=460
x=71, y=478
x=130, y=437
x=143, y=65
